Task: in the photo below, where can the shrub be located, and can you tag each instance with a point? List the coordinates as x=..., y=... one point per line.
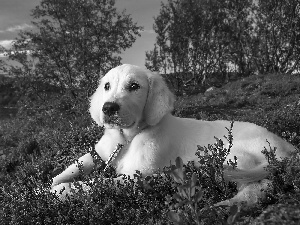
x=198, y=189
x=180, y=193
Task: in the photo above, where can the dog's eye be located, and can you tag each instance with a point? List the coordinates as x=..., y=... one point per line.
x=133, y=87
x=107, y=86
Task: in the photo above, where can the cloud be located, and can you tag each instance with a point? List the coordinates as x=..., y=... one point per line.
x=16, y=28
x=147, y=31
x=19, y=27
x=3, y=55
x=7, y=44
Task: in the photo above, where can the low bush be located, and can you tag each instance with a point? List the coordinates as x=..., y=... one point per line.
x=180, y=194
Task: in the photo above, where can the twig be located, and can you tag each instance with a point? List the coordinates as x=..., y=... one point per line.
x=113, y=155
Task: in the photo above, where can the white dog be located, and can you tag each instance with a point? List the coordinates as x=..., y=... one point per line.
x=134, y=106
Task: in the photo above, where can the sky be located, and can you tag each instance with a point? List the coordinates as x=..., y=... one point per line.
x=15, y=16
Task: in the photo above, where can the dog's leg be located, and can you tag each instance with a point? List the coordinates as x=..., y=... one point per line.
x=251, y=184
x=70, y=189
x=68, y=175
x=63, y=190
x=249, y=193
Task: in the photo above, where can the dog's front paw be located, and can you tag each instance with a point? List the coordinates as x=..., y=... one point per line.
x=62, y=190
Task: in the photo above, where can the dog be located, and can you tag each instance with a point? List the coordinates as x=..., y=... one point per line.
x=134, y=106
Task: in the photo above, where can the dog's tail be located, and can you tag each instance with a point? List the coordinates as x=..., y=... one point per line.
x=246, y=176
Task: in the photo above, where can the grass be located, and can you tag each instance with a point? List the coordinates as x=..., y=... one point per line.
x=40, y=146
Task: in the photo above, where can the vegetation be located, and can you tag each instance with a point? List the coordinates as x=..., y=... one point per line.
x=199, y=38
x=52, y=128
x=39, y=147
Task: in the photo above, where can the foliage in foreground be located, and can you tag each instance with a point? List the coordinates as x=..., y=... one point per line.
x=181, y=193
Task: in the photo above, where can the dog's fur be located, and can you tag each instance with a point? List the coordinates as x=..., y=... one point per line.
x=153, y=138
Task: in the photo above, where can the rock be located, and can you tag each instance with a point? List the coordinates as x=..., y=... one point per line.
x=210, y=89
x=2, y=155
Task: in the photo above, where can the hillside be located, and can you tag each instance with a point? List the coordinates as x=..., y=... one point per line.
x=268, y=100
x=39, y=147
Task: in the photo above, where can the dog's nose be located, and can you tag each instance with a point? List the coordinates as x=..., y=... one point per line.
x=110, y=108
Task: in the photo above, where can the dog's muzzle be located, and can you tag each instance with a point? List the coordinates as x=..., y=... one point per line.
x=112, y=116
x=111, y=113
x=110, y=108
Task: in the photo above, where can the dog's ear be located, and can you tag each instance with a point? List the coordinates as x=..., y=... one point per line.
x=95, y=106
x=160, y=100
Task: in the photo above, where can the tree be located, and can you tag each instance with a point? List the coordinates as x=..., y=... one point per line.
x=278, y=34
x=190, y=38
x=199, y=38
x=240, y=33
x=153, y=61
x=72, y=44
x=2, y=63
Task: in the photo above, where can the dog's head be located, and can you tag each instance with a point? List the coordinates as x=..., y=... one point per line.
x=129, y=95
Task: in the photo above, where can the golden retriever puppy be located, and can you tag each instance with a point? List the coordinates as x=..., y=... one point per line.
x=134, y=105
